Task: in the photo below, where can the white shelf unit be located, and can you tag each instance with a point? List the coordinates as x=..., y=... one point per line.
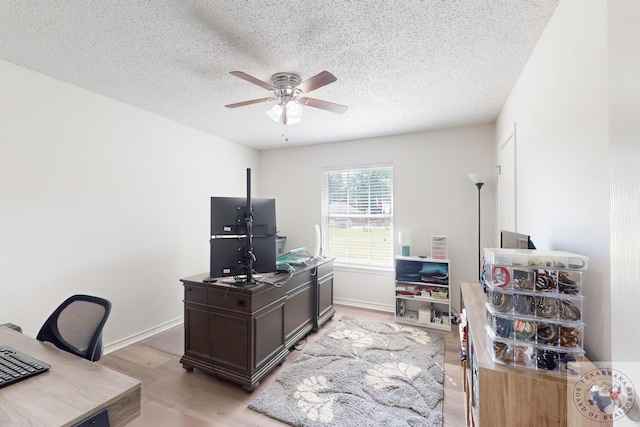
x=423, y=296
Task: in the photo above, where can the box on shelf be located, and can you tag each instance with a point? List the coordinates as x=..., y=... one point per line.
x=439, y=247
x=424, y=314
x=411, y=315
x=436, y=315
x=407, y=293
x=440, y=294
x=446, y=319
x=534, y=258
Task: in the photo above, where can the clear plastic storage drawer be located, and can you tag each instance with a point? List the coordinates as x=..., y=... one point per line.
x=537, y=306
x=530, y=330
x=534, y=258
x=536, y=280
x=557, y=361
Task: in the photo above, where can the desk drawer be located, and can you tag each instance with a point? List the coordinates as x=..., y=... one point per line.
x=325, y=269
x=298, y=280
x=234, y=299
x=216, y=299
x=195, y=294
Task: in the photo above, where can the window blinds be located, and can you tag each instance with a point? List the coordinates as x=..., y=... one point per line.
x=357, y=215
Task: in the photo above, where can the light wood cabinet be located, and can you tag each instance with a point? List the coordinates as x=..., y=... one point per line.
x=502, y=396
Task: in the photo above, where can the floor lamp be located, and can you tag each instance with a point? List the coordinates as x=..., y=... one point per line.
x=478, y=183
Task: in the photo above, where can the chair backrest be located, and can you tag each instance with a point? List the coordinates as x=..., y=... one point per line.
x=76, y=326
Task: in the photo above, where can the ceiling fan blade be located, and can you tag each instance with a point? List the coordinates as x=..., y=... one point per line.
x=324, y=105
x=251, y=79
x=253, y=101
x=317, y=81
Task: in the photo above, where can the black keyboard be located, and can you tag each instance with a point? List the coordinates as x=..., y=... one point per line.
x=16, y=366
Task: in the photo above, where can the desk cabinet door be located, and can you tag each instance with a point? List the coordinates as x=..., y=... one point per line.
x=216, y=338
x=269, y=334
x=325, y=294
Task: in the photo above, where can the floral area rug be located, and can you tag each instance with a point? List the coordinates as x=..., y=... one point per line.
x=361, y=374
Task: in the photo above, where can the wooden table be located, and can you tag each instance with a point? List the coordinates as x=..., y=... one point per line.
x=72, y=390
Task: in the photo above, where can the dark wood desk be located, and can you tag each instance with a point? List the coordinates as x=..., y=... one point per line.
x=72, y=389
x=241, y=333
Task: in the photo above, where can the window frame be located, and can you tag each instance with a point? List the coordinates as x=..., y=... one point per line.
x=379, y=252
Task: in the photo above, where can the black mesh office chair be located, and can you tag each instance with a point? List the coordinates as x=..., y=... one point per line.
x=76, y=326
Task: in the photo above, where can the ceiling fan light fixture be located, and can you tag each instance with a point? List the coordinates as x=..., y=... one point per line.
x=294, y=113
x=275, y=113
x=287, y=90
x=294, y=110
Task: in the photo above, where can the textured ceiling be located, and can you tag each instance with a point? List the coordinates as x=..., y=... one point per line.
x=402, y=65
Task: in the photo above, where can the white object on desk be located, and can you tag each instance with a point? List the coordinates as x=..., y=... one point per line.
x=317, y=245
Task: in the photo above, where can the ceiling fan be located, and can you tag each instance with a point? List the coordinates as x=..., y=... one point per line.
x=288, y=95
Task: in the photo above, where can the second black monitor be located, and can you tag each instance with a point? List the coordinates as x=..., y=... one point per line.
x=228, y=256
x=228, y=216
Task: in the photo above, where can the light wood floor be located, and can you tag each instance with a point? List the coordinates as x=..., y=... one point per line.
x=173, y=397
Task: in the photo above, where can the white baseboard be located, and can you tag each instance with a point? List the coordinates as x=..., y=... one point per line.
x=108, y=348
x=365, y=304
x=117, y=345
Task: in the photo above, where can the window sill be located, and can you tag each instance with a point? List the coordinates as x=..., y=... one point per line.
x=351, y=268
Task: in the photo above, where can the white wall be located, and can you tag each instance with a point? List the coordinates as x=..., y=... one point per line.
x=560, y=107
x=432, y=195
x=624, y=81
x=102, y=198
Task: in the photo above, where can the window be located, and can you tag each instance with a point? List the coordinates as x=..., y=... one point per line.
x=357, y=215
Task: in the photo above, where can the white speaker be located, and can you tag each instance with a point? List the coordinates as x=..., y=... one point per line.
x=317, y=245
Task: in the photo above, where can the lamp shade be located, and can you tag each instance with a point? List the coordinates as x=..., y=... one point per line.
x=275, y=113
x=293, y=110
x=475, y=178
x=405, y=243
x=404, y=239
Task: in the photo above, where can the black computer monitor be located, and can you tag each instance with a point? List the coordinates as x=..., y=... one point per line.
x=228, y=216
x=243, y=236
x=228, y=256
x=512, y=240
x=230, y=240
